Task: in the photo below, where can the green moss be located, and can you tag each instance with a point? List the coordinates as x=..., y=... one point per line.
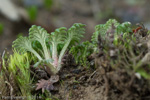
x=19, y=65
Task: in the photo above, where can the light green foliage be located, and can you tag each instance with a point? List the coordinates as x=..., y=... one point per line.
x=19, y=65
x=82, y=52
x=102, y=29
x=24, y=44
x=72, y=37
x=123, y=28
x=127, y=39
x=48, y=49
x=36, y=33
x=85, y=49
x=15, y=75
x=75, y=32
x=57, y=38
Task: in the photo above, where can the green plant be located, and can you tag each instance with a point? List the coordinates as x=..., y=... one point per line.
x=51, y=56
x=81, y=52
x=7, y=78
x=112, y=27
x=4, y=90
x=19, y=65
x=130, y=56
x=129, y=46
x=105, y=32
x=32, y=13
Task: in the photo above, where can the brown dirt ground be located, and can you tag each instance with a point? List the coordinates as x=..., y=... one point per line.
x=90, y=84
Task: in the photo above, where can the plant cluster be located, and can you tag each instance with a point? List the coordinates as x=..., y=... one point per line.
x=125, y=48
x=116, y=42
x=15, y=76
x=81, y=53
x=111, y=31
x=52, y=47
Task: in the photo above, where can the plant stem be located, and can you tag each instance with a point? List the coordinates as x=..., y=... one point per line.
x=54, y=54
x=52, y=68
x=36, y=54
x=46, y=53
x=62, y=53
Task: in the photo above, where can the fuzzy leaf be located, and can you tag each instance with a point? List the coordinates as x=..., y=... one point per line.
x=58, y=43
x=23, y=44
x=73, y=36
x=76, y=32
x=36, y=33
x=57, y=37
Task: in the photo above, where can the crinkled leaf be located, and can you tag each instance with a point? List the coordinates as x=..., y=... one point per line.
x=73, y=36
x=23, y=44
x=40, y=34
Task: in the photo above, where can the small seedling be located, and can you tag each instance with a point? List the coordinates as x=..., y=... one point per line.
x=50, y=55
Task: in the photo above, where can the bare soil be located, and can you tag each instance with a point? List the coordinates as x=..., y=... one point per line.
x=99, y=84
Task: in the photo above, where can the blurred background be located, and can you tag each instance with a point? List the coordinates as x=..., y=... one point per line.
x=17, y=16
